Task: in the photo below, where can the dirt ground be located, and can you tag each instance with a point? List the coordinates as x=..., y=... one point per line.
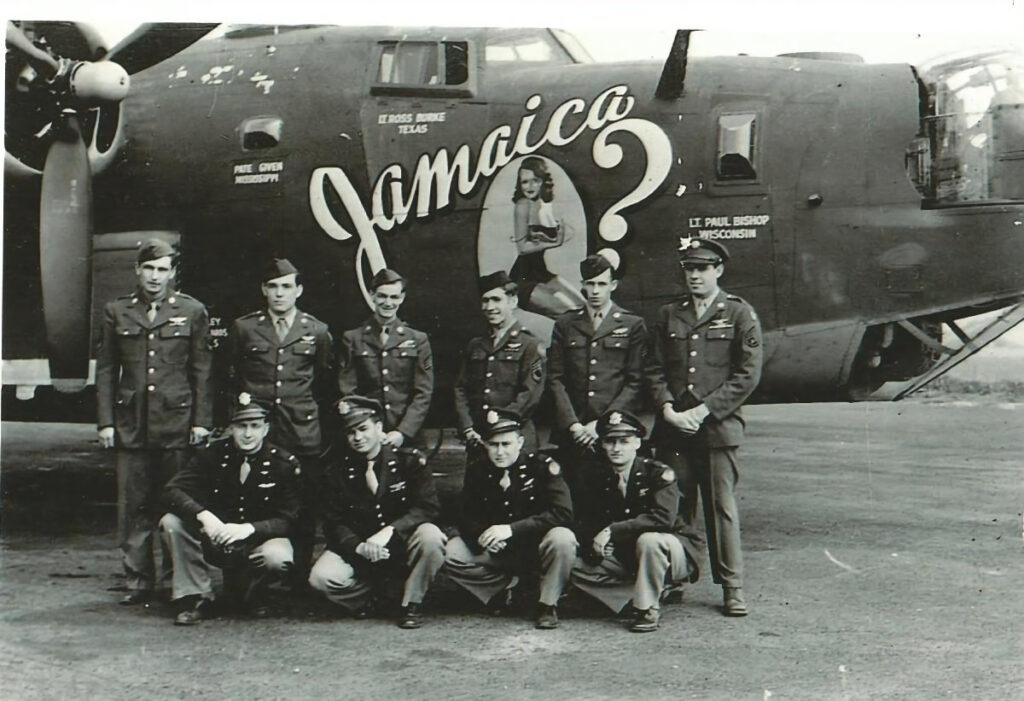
x=883, y=554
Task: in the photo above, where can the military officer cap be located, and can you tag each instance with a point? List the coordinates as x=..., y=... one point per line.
x=596, y=263
x=278, y=267
x=702, y=251
x=495, y=281
x=154, y=249
x=501, y=421
x=615, y=424
x=355, y=409
x=385, y=277
x=245, y=408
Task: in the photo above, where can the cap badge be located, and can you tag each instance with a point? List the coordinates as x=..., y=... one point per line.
x=615, y=419
x=688, y=242
x=492, y=417
x=344, y=408
x=244, y=399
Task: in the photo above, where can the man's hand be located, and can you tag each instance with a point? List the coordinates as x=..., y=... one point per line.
x=473, y=438
x=232, y=533
x=394, y=438
x=210, y=523
x=381, y=537
x=106, y=436
x=497, y=547
x=685, y=421
x=372, y=552
x=493, y=535
x=199, y=435
x=602, y=543
x=584, y=436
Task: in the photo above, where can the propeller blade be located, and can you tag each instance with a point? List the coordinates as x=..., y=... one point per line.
x=65, y=242
x=151, y=43
x=43, y=63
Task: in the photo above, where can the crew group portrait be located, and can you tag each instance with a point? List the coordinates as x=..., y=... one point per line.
x=600, y=464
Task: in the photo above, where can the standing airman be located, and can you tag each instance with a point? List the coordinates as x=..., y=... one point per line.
x=153, y=399
x=283, y=357
x=503, y=370
x=388, y=360
x=703, y=364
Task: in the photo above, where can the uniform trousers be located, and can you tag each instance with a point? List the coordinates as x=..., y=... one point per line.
x=246, y=575
x=713, y=472
x=660, y=560
x=141, y=476
x=352, y=587
x=486, y=574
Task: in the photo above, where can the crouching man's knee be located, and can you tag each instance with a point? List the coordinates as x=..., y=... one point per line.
x=331, y=573
x=276, y=555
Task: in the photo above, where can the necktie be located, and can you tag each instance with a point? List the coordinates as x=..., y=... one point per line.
x=597, y=320
x=282, y=328
x=623, y=482
x=371, y=478
x=151, y=312
x=243, y=471
x=504, y=482
x=701, y=305
x=384, y=336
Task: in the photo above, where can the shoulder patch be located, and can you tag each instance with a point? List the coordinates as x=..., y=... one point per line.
x=554, y=468
x=668, y=475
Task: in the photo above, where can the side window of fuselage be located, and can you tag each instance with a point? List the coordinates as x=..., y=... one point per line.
x=736, y=155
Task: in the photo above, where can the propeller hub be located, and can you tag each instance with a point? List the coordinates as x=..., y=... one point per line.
x=104, y=81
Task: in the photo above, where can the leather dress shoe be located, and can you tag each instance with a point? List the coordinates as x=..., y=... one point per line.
x=136, y=597
x=260, y=610
x=733, y=603
x=547, y=617
x=411, y=617
x=193, y=611
x=646, y=621
x=672, y=594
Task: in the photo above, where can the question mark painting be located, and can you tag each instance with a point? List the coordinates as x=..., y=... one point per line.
x=613, y=226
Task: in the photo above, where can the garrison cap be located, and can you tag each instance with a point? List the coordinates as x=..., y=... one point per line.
x=494, y=281
x=278, y=267
x=355, y=409
x=501, y=421
x=596, y=263
x=385, y=277
x=245, y=408
x=702, y=251
x=155, y=248
x=614, y=424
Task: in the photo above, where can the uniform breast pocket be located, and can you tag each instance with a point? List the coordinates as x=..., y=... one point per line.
x=174, y=344
x=613, y=345
x=128, y=336
x=306, y=349
x=719, y=344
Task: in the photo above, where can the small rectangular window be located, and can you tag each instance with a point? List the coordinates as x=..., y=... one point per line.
x=736, y=154
x=420, y=63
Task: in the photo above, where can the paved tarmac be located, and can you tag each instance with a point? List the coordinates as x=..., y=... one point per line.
x=883, y=550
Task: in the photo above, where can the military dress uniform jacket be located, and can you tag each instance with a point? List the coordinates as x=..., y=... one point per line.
x=153, y=377
x=651, y=504
x=593, y=371
x=209, y=481
x=405, y=498
x=507, y=376
x=714, y=360
x=536, y=500
x=399, y=375
x=293, y=377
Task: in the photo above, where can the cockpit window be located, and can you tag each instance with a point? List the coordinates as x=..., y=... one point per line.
x=533, y=47
x=736, y=154
x=972, y=146
x=423, y=63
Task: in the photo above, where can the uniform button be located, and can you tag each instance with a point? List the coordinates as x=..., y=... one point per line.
x=278, y=383
x=689, y=386
x=151, y=371
x=384, y=371
x=387, y=406
x=590, y=393
x=594, y=344
x=151, y=388
x=152, y=336
x=490, y=357
x=627, y=512
x=277, y=401
x=490, y=374
x=280, y=367
x=152, y=353
x=487, y=390
x=693, y=354
x=386, y=388
x=593, y=361
x=280, y=351
x=486, y=407
x=693, y=370
x=593, y=377
x=694, y=337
